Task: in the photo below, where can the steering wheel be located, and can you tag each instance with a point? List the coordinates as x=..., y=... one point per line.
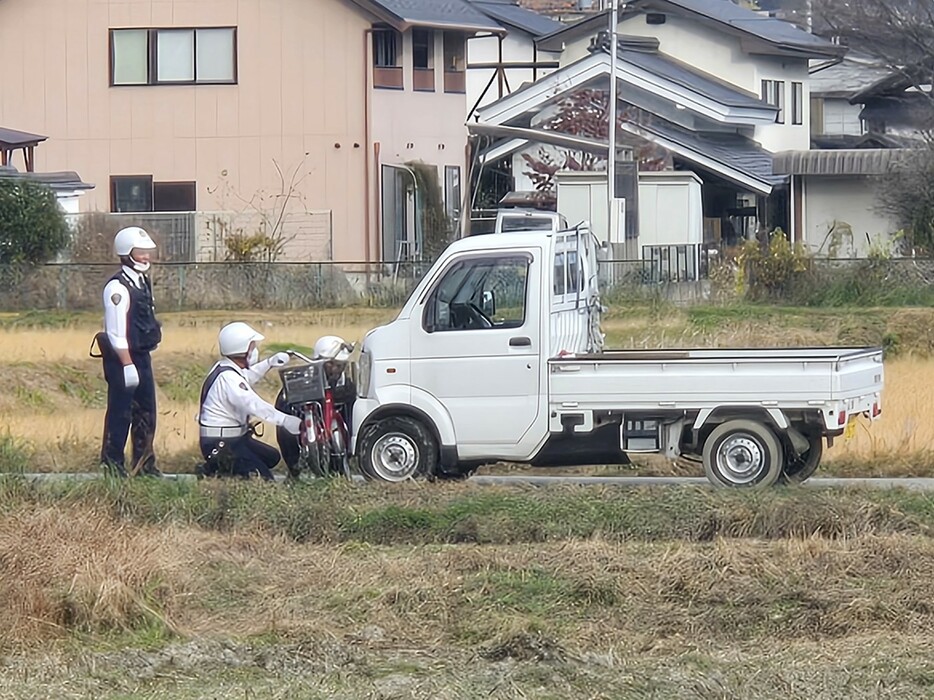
x=468, y=316
x=485, y=321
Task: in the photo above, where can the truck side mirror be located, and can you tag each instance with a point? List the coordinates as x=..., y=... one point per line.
x=488, y=304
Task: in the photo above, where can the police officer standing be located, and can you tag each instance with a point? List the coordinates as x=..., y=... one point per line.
x=131, y=333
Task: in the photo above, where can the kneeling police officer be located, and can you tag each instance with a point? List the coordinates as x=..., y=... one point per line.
x=228, y=401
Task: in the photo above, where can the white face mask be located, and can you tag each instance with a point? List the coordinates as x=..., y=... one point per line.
x=140, y=266
x=252, y=358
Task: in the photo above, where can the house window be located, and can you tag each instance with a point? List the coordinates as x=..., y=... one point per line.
x=174, y=196
x=838, y=116
x=452, y=191
x=173, y=56
x=138, y=193
x=479, y=294
x=455, y=60
x=131, y=193
x=797, y=103
x=387, y=68
x=773, y=92
x=423, y=59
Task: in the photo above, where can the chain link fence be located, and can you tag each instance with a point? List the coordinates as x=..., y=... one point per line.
x=284, y=285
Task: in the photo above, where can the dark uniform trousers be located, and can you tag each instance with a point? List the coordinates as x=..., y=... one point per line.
x=132, y=411
x=242, y=456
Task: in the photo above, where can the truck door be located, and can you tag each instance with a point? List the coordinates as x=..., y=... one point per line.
x=477, y=348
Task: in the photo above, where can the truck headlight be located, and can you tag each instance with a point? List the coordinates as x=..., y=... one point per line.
x=364, y=371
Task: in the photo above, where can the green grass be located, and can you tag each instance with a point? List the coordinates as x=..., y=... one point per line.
x=181, y=381
x=78, y=384
x=43, y=319
x=15, y=455
x=376, y=514
x=33, y=399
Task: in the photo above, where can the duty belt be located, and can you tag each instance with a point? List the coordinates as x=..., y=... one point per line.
x=209, y=431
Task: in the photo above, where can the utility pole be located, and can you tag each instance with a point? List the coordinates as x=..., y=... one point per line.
x=611, y=123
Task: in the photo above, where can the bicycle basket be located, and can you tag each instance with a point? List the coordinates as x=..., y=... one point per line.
x=303, y=383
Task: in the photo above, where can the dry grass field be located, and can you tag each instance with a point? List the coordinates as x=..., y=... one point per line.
x=52, y=411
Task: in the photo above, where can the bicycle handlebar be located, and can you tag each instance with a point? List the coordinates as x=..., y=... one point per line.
x=300, y=356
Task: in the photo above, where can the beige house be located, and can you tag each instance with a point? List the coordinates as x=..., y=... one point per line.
x=222, y=106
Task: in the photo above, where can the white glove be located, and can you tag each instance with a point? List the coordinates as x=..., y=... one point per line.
x=130, y=376
x=292, y=424
x=279, y=359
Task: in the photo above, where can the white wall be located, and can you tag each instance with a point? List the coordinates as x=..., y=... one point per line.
x=518, y=46
x=670, y=208
x=847, y=200
x=787, y=136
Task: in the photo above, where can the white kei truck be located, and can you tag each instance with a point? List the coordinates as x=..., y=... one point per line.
x=497, y=355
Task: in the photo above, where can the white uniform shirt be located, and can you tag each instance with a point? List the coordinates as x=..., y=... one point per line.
x=117, y=308
x=231, y=400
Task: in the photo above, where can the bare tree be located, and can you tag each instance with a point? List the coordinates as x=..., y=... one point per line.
x=266, y=239
x=900, y=35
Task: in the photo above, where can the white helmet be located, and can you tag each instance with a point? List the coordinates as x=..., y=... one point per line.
x=235, y=338
x=132, y=237
x=332, y=347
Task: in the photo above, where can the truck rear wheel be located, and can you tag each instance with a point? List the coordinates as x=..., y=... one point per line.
x=799, y=469
x=397, y=448
x=743, y=453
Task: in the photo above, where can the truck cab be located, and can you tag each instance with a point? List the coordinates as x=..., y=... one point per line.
x=498, y=355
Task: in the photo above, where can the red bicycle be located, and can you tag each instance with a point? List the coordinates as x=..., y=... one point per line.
x=323, y=437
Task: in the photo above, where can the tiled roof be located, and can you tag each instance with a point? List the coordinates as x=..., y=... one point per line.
x=18, y=139
x=731, y=150
x=439, y=13
x=782, y=36
x=509, y=13
x=688, y=77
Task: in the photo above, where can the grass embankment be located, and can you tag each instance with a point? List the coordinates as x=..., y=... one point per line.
x=149, y=589
x=52, y=411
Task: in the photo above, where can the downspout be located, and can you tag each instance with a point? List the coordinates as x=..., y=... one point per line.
x=367, y=203
x=499, y=69
x=405, y=168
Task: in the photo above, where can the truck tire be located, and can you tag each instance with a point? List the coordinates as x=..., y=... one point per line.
x=743, y=454
x=799, y=469
x=397, y=448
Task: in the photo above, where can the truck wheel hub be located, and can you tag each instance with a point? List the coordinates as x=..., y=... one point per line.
x=395, y=456
x=740, y=459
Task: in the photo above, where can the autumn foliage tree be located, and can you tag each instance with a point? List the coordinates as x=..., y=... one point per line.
x=585, y=113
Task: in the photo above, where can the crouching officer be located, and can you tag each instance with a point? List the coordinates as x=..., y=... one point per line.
x=227, y=403
x=131, y=333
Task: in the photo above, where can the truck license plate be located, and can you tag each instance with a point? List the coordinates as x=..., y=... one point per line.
x=850, y=431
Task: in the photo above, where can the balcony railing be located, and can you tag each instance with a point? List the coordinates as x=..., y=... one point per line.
x=455, y=81
x=388, y=77
x=423, y=79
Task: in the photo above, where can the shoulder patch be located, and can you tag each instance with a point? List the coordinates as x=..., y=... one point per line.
x=116, y=299
x=244, y=386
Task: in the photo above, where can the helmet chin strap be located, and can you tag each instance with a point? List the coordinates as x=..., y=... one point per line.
x=130, y=261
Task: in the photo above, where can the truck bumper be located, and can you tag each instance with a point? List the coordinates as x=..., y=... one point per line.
x=362, y=409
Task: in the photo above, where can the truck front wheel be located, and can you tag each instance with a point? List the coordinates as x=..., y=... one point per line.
x=743, y=453
x=397, y=448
